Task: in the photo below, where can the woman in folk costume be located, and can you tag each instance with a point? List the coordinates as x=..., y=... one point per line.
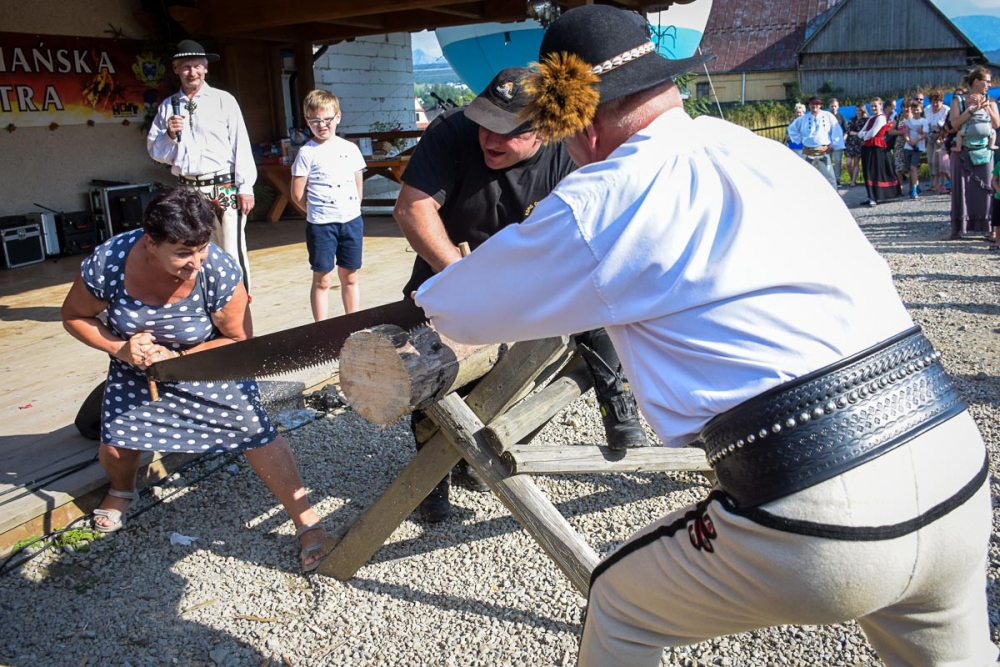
x=876, y=160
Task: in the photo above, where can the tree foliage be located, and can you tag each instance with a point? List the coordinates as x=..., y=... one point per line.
x=460, y=95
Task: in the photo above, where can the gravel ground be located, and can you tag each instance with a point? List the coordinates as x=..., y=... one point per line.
x=473, y=591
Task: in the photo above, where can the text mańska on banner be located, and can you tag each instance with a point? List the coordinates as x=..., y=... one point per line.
x=47, y=79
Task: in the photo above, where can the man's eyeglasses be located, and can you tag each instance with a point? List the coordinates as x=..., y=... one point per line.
x=321, y=122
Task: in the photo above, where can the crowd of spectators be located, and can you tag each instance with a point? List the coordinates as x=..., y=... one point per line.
x=882, y=145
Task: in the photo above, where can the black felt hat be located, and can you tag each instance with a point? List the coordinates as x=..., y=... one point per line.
x=189, y=48
x=592, y=55
x=497, y=107
x=616, y=42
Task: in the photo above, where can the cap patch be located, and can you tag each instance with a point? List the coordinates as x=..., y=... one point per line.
x=506, y=90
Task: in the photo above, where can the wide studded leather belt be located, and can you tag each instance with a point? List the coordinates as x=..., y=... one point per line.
x=818, y=426
x=210, y=179
x=814, y=151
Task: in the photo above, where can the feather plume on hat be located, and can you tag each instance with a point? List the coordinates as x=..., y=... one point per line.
x=563, y=96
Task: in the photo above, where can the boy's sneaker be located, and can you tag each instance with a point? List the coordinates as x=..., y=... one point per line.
x=913, y=193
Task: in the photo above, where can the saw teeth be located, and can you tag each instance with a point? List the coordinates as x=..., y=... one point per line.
x=279, y=373
x=420, y=328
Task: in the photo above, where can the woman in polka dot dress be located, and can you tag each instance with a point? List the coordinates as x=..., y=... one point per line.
x=166, y=291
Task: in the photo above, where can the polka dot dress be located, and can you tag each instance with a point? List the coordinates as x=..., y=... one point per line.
x=193, y=417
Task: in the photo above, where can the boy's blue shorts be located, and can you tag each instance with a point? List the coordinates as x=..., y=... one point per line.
x=340, y=241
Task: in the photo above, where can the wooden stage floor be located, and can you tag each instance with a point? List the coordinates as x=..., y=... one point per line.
x=45, y=374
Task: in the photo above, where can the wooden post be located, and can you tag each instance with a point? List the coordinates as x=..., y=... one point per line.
x=519, y=494
x=304, y=68
x=370, y=531
x=536, y=410
x=540, y=357
x=548, y=355
x=579, y=459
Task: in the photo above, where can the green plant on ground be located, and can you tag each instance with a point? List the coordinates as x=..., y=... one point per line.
x=86, y=585
x=78, y=538
x=21, y=545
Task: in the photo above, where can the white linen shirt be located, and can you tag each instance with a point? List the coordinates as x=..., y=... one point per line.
x=331, y=171
x=214, y=140
x=720, y=263
x=935, y=121
x=811, y=131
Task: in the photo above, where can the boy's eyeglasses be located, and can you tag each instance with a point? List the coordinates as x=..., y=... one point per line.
x=321, y=122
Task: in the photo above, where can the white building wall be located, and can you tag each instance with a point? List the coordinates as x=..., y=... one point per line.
x=54, y=168
x=373, y=78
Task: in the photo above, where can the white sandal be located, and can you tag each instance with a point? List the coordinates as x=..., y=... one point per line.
x=117, y=517
x=311, y=550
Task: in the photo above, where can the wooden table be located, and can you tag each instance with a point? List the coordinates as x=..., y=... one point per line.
x=391, y=168
x=280, y=177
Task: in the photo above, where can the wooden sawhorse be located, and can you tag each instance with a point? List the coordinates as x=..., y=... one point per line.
x=484, y=429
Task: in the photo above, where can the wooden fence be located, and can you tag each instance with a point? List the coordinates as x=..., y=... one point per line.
x=776, y=132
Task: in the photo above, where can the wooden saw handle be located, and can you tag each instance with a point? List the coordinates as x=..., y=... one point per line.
x=154, y=393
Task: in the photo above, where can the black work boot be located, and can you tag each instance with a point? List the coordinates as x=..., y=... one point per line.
x=619, y=411
x=435, y=508
x=465, y=475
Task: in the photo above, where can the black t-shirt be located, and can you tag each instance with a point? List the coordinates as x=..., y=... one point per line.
x=476, y=201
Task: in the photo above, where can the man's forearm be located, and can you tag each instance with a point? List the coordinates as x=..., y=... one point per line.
x=417, y=215
x=431, y=242
x=425, y=233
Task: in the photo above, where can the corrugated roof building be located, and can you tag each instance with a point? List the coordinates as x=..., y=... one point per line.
x=876, y=46
x=765, y=49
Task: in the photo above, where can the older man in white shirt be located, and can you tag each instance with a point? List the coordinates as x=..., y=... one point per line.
x=200, y=133
x=819, y=133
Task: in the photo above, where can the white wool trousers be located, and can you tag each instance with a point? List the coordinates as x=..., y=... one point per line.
x=824, y=165
x=230, y=232
x=885, y=543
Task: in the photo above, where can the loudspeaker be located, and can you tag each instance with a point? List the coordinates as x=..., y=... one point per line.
x=119, y=208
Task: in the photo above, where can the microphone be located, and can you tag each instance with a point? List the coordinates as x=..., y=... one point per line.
x=175, y=102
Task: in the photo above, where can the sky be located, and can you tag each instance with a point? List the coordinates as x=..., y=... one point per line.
x=953, y=8
x=427, y=42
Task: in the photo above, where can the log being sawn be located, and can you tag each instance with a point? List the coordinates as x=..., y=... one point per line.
x=387, y=372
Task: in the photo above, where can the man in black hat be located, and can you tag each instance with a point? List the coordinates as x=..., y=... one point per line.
x=852, y=481
x=818, y=131
x=200, y=133
x=477, y=170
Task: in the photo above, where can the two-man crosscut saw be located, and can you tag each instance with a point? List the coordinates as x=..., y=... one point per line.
x=284, y=351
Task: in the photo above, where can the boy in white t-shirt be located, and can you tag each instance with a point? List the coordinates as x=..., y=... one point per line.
x=913, y=150
x=327, y=182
